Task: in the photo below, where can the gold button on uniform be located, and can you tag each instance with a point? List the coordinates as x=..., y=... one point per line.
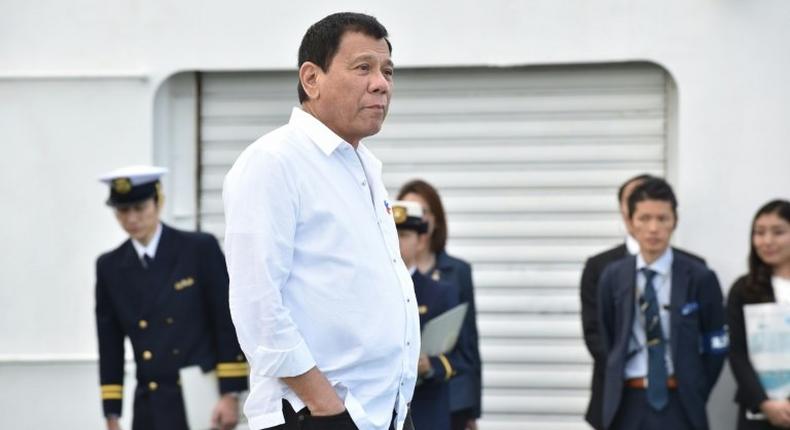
x=147, y=355
x=143, y=324
x=153, y=386
x=169, y=320
x=176, y=351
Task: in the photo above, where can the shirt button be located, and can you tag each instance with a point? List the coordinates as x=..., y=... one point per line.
x=153, y=385
x=408, y=343
x=363, y=183
x=143, y=324
x=147, y=355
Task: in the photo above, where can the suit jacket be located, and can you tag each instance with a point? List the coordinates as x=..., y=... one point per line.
x=698, y=336
x=589, y=298
x=750, y=391
x=430, y=406
x=466, y=390
x=175, y=313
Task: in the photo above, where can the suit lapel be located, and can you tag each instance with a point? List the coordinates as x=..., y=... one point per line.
x=677, y=299
x=627, y=292
x=161, y=271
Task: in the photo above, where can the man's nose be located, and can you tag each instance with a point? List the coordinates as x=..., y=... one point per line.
x=380, y=83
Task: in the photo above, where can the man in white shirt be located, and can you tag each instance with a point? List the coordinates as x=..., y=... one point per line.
x=323, y=305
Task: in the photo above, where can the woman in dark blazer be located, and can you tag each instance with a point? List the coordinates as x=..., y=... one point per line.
x=768, y=281
x=466, y=388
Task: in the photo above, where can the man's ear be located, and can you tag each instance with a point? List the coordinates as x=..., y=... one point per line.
x=309, y=75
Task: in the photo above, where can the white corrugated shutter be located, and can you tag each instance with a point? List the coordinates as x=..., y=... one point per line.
x=528, y=161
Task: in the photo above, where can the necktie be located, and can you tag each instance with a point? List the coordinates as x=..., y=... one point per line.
x=657, y=393
x=146, y=261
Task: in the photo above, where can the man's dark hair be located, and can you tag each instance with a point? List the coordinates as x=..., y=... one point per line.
x=322, y=40
x=652, y=189
x=637, y=178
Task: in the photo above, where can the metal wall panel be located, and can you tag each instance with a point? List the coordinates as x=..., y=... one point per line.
x=528, y=161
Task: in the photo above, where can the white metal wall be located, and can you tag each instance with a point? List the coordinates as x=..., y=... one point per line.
x=528, y=161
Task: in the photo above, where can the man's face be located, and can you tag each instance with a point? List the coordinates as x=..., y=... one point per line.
x=353, y=94
x=409, y=244
x=653, y=223
x=629, y=188
x=139, y=220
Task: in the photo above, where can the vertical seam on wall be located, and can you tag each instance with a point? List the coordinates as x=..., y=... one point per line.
x=199, y=146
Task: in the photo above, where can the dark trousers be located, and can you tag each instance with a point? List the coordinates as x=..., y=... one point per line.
x=302, y=420
x=635, y=413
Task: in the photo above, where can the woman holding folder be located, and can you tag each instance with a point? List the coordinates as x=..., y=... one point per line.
x=768, y=281
x=434, y=262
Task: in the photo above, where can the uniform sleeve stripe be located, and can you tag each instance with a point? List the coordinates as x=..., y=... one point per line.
x=448, y=369
x=233, y=366
x=112, y=396
x=111, y=388
x=232, y=374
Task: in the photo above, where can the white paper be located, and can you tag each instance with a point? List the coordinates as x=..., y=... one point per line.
x=441, y=333
x=201, y=394
x=768, y=340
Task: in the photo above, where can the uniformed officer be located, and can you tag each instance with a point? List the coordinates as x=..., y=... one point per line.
x=167, y=291
x=662, y=325
x=430, y=405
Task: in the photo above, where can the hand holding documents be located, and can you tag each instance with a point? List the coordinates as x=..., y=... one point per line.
x=441, y=333
x=201, y=393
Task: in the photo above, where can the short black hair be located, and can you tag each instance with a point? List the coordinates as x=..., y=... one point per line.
x=322, y=40
x=621, y=190
x=652, y=189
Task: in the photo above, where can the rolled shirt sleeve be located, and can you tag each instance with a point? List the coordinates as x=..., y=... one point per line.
x=261, y=207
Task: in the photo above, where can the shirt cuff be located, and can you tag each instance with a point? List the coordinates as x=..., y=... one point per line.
x=283, y=364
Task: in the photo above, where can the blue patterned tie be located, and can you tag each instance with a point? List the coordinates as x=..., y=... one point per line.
x=657, y=393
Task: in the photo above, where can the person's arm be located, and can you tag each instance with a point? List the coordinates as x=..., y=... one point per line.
x=470, y=344
x=714, y=327
x=750, y=390
x=441, y=368
x=588, y=292
x=111, y=352
x=261, y=208
x=606, y=311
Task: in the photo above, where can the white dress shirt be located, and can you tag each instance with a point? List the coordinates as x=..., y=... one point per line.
x=636, y=366
x=781, y=289
x=316, y=277
x=150, y=249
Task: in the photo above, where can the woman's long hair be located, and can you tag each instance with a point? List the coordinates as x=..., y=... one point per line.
x=758, y=282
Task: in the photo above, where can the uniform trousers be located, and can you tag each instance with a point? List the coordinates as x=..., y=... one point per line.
x=302, y=420
x=635, y=413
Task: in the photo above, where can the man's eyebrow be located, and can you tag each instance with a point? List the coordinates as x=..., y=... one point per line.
x=371, y=57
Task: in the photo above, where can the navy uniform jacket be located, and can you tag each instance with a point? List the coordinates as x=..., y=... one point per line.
x=465, y=389
x=698, y=336
x=589, y=298
x=175, y=314
x=430, y=406
x=750, y=393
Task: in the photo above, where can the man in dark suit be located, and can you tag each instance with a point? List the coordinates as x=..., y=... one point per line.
x=588, y=290
x=431, y=404
x=662, y=325
x=167, y=291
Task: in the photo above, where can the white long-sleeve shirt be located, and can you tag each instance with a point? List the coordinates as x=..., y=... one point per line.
x=316, y=277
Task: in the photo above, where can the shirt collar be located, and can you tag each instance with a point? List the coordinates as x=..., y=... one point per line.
x=149, y=249
x=320, y=134
x=661, y=266
x=631, y=244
